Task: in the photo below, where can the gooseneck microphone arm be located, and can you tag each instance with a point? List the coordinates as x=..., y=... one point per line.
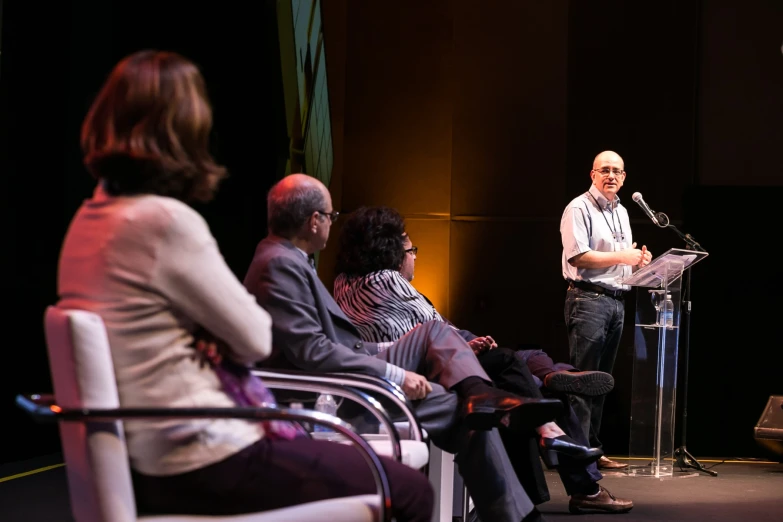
x=663, y=221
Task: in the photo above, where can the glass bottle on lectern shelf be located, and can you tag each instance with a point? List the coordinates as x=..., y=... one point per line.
x=668, y=312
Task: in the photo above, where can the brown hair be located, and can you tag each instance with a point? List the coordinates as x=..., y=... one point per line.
x=148, y=130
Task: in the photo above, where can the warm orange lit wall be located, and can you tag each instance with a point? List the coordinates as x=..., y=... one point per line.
x=479, y=121
x=456, y=117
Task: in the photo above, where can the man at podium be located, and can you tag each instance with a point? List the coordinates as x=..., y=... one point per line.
x=598, y=252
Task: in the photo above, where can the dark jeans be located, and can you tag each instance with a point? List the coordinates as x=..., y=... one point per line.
x=594, y=323
x=509, y=373
x=275, y=474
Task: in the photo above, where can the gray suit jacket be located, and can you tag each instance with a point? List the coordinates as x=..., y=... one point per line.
x=309, y=331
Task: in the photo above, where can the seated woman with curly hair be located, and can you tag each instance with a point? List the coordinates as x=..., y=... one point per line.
x=375, y=268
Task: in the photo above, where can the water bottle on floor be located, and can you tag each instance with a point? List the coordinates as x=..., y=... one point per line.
x=325, y=404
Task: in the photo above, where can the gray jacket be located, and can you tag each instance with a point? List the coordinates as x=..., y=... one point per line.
x=309, y=331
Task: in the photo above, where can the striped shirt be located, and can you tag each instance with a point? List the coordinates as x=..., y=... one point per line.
x=382, y=305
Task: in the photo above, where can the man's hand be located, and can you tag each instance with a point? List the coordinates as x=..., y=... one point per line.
x=646, y=257
x=480, y=345
x=632, y=256
x=415, y=386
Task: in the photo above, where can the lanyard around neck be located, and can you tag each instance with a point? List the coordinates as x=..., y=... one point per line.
x=611, y=228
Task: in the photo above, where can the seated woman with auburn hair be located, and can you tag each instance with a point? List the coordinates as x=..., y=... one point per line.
x=139, y=256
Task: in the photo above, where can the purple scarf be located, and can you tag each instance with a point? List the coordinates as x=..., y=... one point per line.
x=248, y=390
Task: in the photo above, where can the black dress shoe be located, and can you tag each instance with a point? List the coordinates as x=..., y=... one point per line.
x=565, y=445
x=499, y=408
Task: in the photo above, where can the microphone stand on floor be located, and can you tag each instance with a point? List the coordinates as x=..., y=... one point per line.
x=682, y=456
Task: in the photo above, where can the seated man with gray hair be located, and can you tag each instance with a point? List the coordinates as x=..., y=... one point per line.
x=453, y=397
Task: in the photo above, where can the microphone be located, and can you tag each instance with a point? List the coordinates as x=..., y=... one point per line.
x=637, y=197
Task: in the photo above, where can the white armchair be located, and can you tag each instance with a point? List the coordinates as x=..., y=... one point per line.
x=408, y=435
x=403, y=441
x=86, y=405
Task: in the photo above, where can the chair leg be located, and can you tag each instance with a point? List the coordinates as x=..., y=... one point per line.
x=465, y=504
x=441, y=475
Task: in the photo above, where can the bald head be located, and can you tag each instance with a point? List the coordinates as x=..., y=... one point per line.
x=608, y=173
x=291, y=202
x=607, y=156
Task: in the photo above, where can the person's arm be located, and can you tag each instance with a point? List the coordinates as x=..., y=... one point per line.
x=476, y=343
x=194, y=276
x=466, y=335
x=575, y=236
x=283, y=288
x=595, y=259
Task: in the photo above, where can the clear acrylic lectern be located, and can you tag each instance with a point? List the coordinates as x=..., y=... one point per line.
x=656, y=335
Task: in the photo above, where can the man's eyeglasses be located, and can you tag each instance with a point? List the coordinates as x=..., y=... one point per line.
x=604, y=172
x=412, y=250
x=332, y=215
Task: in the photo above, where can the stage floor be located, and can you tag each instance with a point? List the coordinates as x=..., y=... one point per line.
x=745, y=491
x=742, y=491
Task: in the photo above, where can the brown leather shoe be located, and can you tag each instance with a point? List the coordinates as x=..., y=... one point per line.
x=603, y=502
x=606, y=463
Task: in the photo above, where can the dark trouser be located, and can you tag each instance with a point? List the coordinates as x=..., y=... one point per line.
x=275, y=474
x=436, y=351
x=510, y=374
x=569, y=423
x=541, y=365
x=594, y=323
